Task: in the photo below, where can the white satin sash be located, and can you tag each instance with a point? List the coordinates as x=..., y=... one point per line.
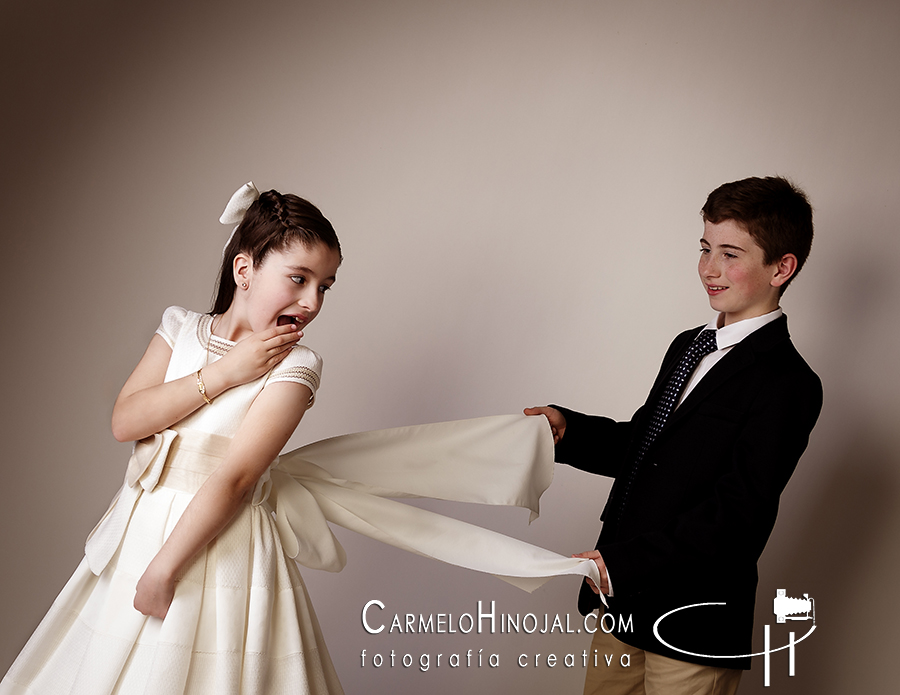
x=347, y=480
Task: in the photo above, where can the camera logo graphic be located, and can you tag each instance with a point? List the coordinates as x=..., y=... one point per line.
x=787, y=608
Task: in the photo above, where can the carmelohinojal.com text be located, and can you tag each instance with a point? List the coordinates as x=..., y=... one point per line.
x=489, y=622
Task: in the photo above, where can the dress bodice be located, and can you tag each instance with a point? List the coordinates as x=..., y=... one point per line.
x=194, y=347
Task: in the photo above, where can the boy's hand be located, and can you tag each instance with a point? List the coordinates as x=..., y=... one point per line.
x=604, y=575
x=256, y=354
x=556, y=419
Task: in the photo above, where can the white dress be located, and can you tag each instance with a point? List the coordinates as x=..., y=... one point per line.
x=241, y=621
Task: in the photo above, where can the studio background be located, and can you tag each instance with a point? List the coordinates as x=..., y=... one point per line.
x=516, y=186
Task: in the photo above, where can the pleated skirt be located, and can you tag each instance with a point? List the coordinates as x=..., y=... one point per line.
x=241, y=622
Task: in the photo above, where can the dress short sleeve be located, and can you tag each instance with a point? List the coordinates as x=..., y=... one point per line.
x=301, y=366
x=172, y=320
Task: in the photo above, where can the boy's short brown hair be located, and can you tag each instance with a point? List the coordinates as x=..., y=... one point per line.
x=775, y=212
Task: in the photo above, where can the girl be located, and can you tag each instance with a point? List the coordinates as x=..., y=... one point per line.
x=187, y=585
x=212, y=402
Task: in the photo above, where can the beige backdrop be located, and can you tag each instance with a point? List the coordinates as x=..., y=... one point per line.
x=516, y=186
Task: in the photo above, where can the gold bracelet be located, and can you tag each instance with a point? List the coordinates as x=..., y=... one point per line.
x=201, y=387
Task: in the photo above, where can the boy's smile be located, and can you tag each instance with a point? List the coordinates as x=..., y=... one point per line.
x=734, y=274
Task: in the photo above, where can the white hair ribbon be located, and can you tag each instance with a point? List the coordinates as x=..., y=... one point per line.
x=237, y=207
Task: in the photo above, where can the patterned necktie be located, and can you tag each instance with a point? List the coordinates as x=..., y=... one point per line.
x=703, y=344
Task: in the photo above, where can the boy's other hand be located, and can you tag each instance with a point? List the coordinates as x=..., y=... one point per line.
x=554, y=417
x=604, y=575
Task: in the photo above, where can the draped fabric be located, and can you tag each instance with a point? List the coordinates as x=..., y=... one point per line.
x=501, y=460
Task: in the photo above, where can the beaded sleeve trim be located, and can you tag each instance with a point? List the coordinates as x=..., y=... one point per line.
x=304, y=374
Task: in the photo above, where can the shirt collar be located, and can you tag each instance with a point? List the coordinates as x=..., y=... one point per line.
x=733, y=333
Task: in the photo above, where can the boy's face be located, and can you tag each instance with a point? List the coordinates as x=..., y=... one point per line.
x=739, y=283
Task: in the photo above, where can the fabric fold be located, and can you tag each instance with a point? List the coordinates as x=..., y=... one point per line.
x=145, y=467
x=500, y=460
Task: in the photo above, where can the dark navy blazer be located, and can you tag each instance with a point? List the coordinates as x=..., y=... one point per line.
x=704, y=500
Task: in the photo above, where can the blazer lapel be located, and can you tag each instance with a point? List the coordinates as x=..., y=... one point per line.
x=741, y=356
x=734, y=362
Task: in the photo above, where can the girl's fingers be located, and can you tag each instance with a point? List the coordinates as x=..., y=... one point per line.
x=277, y=333
x=286, y=329
x=284, y=344
x=285, y=335
x=278, y=353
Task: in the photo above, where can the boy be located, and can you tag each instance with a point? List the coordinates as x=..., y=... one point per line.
x=700, y=466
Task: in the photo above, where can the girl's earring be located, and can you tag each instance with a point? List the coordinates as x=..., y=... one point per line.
x=244, y=285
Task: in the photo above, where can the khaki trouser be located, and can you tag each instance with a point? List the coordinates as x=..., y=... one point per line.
x=651, y=674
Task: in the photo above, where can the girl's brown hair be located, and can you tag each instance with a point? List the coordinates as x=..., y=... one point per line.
x=272, y=223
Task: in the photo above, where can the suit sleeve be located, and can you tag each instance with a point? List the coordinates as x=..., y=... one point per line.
x=594, y=443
